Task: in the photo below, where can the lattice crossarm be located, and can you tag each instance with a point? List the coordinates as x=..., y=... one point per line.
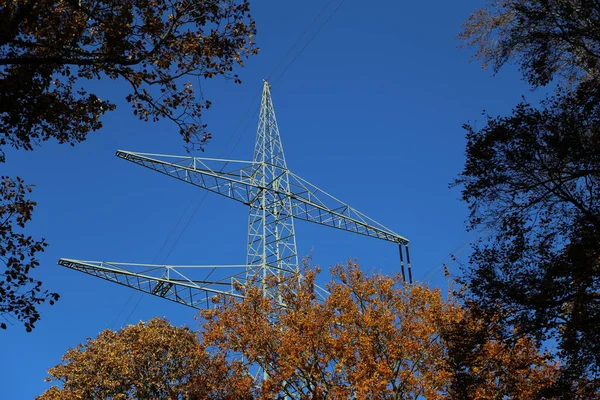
x=312, y=204
x=236, y=182
x=159, y=281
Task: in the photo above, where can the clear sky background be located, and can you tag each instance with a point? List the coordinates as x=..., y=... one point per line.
x=371, y=111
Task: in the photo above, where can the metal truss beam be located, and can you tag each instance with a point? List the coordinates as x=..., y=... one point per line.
x=173, y=283
x=309, y=203
x=167, y=282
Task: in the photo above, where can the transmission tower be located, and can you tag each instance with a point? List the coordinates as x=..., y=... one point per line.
x=275, y=197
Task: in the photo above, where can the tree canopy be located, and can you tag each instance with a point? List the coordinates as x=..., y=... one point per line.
x=369, y=338
x=372, y=337
x=546, y=38
x=533, y=179
x=151, y=360
x=50, y=50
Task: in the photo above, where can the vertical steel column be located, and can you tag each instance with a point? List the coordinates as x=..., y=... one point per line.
x=271, y=234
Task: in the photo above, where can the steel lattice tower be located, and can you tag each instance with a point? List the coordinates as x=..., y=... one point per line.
x=271, y=237
x=275, y=197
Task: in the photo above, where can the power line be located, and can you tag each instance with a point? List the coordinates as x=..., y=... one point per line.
x=310, y=40
x=241, y=135
x=192, y=200
x=459, y=249
x=154, y=261
x=257, y=108
x=300, y=38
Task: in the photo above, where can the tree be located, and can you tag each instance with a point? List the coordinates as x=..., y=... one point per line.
x=145, y=361
x=547, y=38
x=533, y=180
x=19, y=293
x=50, y=49
x=371, y=337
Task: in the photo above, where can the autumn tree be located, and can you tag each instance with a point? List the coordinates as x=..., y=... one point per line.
x=484, y=365
x=533, y=179
x=547, y=38
x=151, y=360
x=50, y=50
x=372, y=336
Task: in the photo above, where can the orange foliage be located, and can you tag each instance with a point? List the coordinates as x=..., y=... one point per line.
x=145, y=361
x=372, y=337
x=486, y=363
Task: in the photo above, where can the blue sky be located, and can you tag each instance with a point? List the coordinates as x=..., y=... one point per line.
x=371, y=112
